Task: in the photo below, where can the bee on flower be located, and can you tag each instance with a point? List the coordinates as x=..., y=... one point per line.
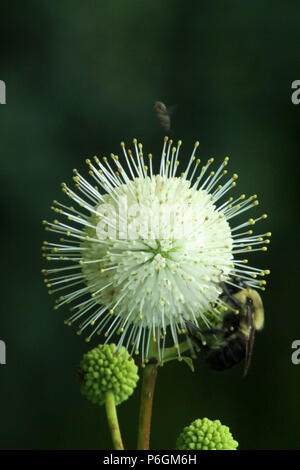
x=140, y=254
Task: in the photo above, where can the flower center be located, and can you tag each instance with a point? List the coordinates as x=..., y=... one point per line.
x=160, y=252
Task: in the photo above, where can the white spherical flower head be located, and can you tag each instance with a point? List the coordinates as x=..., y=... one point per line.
x=168, y=267
x=151, y=251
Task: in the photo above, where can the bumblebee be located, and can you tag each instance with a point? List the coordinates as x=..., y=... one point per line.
x=233, y=341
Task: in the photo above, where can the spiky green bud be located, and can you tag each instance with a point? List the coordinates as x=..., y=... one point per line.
x=103, y=370
x=205, y=434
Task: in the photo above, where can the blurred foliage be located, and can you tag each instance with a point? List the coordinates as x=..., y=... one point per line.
x=81, y=77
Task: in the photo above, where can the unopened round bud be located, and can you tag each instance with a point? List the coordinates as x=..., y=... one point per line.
x=103, y=370
x=205, y=434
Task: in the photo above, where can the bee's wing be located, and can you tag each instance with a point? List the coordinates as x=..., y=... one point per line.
x=225, y=288
x=250, y=339
x=199, y=336
x=193, y=331
x=171, y=109
x=195, y=334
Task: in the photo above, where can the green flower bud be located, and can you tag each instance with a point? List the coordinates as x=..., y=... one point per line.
x=204, y=434
x=103, y=370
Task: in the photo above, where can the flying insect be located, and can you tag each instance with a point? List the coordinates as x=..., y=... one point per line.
x=233, y=341
x=163, y=114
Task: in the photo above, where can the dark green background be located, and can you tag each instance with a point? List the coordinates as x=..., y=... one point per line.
x=81, y=77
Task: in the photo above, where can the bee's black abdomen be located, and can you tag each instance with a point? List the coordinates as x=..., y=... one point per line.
x=228, y=355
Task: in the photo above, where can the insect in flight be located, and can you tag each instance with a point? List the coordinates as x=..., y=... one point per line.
x=163, y=114
x=234, y=340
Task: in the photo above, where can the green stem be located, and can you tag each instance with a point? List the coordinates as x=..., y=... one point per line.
x=148, y=385
x=172, y=353
x=112, y=420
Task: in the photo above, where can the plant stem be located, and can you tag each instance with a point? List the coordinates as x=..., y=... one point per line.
x=148, y=385
x=112, y=420
x=172, y=353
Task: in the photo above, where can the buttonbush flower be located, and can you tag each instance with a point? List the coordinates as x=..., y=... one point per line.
x=140, y=253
